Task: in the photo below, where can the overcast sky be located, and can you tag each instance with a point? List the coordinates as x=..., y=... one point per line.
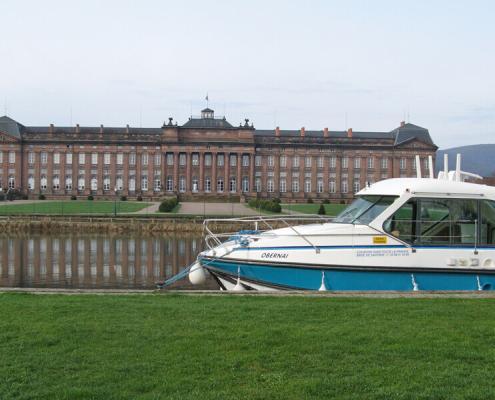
x=337, y=64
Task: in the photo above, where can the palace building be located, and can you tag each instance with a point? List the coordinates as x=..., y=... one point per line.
x=204, y=158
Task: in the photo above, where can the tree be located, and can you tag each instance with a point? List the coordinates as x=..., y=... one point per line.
x=321, y=210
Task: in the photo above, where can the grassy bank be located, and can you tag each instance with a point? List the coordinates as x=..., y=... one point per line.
x=72, y=207
x=179, y=347
x=330, y=209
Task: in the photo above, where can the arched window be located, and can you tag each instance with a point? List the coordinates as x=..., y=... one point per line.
x=157, y=184
x=31, y=183
x=132, y=184
x=119, y=183
x=182, y=183
x=220, y=185
x=106, y=183
x=81, y=183
x=43, y=182
x=56, y=182
x=11, y=182
x=233, y=185
x=170, y=184
x=245, y=184
x=68, y=183
x=144, y=183
x=94, y=184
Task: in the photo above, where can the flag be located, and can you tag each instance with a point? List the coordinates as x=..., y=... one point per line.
x=206, y=98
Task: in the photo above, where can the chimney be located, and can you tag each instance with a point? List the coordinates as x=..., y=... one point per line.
x=127, y=128
x=402, y=124
x=101, y=128
x=325, y=132
x=303, y=132
x=77, y=128
x=50, y=130
x=277, y=131
x=349, y=132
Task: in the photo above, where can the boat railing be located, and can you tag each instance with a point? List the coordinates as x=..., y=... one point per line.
x=259, y=225
x=468, y=234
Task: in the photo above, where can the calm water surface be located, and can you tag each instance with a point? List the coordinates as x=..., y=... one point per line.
x=96, y=261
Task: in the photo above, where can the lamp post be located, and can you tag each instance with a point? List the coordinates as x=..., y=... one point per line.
x=115, y=202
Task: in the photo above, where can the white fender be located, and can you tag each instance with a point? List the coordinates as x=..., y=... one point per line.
x=197, y=274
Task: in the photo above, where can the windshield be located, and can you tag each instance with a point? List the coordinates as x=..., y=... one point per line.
x=364, y=209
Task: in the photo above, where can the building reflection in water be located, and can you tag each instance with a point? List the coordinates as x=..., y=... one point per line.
x=96, y=261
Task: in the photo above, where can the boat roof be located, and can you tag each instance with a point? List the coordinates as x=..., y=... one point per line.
x=425, y=186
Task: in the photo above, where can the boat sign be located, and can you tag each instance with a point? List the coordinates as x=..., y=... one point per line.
x=379, y=240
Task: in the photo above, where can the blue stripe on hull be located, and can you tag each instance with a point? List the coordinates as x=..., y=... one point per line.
x=310, y=279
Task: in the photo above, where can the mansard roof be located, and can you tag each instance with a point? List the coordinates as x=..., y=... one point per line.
x=208, y=123
x=10, y=127
x=410, y=131
x=406, y=132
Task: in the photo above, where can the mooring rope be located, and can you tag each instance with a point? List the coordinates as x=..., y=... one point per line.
x=175, y=278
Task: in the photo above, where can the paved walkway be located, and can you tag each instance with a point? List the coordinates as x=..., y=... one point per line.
x=151, y=209
x=232, y=209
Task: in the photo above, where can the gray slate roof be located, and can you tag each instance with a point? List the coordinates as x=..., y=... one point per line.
x=10, y=127
x=410, y=131
x=218, y=123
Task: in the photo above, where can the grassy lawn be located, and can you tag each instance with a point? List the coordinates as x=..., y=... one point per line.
x=331, y=209
x=71, y=207
x=180, y=347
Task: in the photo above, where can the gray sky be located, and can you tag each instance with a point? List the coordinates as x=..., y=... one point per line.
x=287, y=63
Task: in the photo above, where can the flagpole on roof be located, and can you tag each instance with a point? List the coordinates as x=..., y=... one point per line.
x=207, y=101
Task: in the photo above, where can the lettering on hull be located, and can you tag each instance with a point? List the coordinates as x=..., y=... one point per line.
x=275, y=255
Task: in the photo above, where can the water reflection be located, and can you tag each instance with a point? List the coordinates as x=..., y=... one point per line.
x=95, y=261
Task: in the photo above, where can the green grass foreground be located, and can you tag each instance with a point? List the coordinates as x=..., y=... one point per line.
x=330, y=209
x=231, y=347
x=72, y=207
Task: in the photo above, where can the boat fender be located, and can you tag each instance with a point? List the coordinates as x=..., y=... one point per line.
x=197, y=274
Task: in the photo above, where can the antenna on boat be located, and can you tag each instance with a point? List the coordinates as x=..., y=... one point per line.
x=458, y=168
x=445, y=166
x=418, y=167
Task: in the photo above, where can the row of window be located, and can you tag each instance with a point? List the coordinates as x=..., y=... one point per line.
x=195, y=184
x=208, y=159
x=295, y=186
x=320, y=160
x=157, y=184
x=119, y=158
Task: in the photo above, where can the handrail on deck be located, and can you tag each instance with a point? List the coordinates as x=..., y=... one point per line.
x=264, y=220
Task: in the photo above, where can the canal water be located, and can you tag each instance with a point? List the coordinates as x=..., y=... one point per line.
x=95, y=261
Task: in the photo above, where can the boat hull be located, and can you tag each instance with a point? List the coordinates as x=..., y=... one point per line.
x=271, y=276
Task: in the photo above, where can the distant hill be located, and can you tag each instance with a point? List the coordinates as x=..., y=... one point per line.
x=476, y=158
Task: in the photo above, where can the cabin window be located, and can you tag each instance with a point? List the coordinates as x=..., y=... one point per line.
x=364, y=209
x=435, y=221
x=487, y=236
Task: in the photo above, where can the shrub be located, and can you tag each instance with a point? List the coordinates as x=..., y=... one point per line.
x=276, y=200
x=267, y=205
x=310, y=200
x=73, y=197
x=321, y=210
x=342, y=201
x=168, y=205
x=25, y=197
x=326, y=201
x=90, y=197
x=123, y=198
x=2, y=197
x=139, y=198
x=41, y=197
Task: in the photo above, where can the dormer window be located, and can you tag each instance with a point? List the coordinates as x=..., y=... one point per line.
x=207, y=113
